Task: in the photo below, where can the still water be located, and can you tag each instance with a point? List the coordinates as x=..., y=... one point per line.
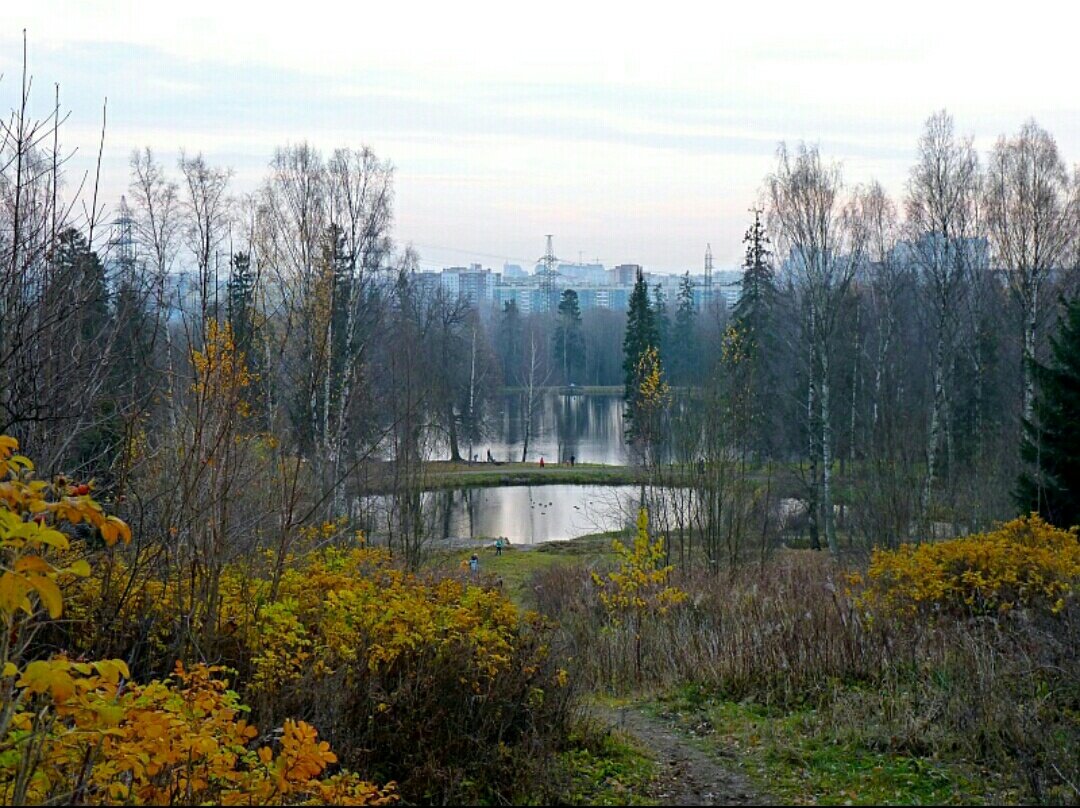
x=589, y=427
x=525, y=514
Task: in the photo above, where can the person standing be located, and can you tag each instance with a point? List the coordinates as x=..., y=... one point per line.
x=474, y=564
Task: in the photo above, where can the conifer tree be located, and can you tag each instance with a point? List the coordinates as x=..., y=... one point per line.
x=682, y=348
x=640, y=337
x=758, y=291
x=569, y=346
x=753, y=331
x=663, y=322
x=1050, y=485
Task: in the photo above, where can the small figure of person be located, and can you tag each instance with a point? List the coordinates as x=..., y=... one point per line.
x=498, y=547
x=572, y=458
x=474, y=564
x=490, y=459
x=541, y=462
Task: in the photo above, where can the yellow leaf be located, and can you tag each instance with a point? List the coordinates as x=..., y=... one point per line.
x=32, y=563
x=49, y=593
x=10, y=669
x=80, y=568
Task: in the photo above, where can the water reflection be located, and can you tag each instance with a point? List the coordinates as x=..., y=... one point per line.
x=524, y=514
x=587, y=427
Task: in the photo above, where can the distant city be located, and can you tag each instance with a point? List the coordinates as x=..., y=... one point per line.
x=597, y=286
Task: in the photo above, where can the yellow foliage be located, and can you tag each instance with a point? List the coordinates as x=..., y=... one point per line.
x=77, y=731
x=221, y=369
x=174, y=741
x=1025, y=562
x=31, y=543
x=346, y=607
x=639, y=585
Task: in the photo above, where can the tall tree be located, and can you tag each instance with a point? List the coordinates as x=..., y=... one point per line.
x=640, y=336
x=825, y=241
x=510, y=342
x=757, y=293
x=755, y=336
x=568, y=344
x=683, y=335
x=942, y=218
x=1051, y=446
x=1031, y=223
x=663, y=322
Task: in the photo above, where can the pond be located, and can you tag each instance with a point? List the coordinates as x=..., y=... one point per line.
x=589, y=427
x=524, y=514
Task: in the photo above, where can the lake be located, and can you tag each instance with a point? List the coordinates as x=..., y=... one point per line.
x=589, y=427
x=525, y=514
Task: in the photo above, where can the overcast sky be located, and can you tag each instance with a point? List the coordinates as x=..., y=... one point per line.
x=632, y=137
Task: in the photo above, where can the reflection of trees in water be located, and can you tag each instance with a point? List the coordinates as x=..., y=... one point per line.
x=520, y=513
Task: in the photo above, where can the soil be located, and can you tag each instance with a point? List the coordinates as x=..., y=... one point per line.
x=687, y=774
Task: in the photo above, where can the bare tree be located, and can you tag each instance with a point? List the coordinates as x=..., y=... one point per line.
x=941, y=217
x=825, y=241
x=1030, y=218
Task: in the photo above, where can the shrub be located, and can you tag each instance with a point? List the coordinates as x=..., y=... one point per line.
x=76, y=731
x=1024, y=563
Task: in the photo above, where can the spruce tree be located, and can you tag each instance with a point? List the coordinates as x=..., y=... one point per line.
x=753, y=331
x=569, y=346
x=682, y=348
x=758, y=291
x=663, y=322
x=511, y=341
x=640, y=337
x=1050, y=485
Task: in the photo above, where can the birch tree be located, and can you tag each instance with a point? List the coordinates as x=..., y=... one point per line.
x=941, y=216
x=824, y=241
x=1029, y=213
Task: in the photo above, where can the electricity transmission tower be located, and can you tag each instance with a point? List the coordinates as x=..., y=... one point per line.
x=707, y=299
x=547, y=275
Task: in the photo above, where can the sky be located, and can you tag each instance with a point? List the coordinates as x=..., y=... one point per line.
x=633, y=136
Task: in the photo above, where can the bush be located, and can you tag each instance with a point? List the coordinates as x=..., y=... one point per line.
x=1024, y=563
x=82, y=732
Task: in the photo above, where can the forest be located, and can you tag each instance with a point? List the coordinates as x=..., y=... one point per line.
x=851, y=567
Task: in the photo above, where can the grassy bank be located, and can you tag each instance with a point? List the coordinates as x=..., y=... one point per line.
x=442, y=475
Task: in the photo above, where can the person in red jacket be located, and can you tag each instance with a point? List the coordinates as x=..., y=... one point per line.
x=541, y=462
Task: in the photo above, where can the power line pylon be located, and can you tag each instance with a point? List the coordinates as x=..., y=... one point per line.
x=547, y=279
x=707, y=301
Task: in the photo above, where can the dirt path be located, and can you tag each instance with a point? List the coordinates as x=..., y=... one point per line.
x=687, y=774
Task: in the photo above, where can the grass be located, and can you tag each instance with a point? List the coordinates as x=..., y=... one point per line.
x=442, y=474
x=607, y=768
x=801, y=759
x=518, y=563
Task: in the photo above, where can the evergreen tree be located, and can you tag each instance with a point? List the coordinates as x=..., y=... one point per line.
x=758, y=292
x=510, y=342
x=682, y=347
x=640, y=337
x=569, y=345
x=240, y=300
x=79, y=283
x=663, y=322
x=1051, y=443
x=753, y=333
x=81, y=278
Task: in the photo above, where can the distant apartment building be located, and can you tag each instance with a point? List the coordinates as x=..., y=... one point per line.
x=596, y=286
x=625, y=274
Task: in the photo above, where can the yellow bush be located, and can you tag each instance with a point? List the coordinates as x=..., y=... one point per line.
x=1025, y=562
x=75, y=731
x=640, y=584
x=352, y=607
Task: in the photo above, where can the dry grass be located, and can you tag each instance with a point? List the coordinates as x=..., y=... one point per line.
x=1002, y=691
